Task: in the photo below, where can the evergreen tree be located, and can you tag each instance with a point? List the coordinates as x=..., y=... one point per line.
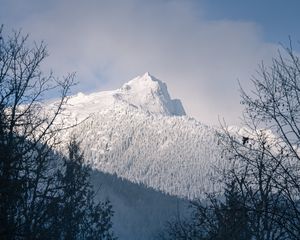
x=214, y=219
x=81, y=216
x=232, y=215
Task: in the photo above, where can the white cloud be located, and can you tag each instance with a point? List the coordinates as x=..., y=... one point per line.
x=109, y=42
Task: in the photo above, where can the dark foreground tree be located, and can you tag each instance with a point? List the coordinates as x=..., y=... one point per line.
x=264, y=156
x=30, y=186
x=81, y=217
x=267, y=165
x=213, y=219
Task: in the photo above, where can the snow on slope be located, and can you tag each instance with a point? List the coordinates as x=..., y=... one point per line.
x=139, y=133
x=149, y=93
x=143, y=92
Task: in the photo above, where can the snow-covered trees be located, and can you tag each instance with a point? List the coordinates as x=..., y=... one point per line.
x=167, y=153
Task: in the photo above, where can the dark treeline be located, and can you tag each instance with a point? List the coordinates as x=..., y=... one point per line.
x=42, y=195
x=261, y=192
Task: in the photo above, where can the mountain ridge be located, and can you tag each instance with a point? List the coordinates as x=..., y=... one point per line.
x=145, y=93
x=132, y=132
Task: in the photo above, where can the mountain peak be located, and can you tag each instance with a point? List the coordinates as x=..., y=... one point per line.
x=147, y=75
x=145, y=80
x=149, y=93
x=146, y=93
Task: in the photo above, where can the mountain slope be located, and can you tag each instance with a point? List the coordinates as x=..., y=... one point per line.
x=139, y=133
x=140, y=212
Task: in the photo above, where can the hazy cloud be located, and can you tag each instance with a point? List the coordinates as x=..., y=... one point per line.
x=110, y=42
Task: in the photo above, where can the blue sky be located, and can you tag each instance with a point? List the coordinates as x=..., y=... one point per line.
x=277, y=18
x=199, y=48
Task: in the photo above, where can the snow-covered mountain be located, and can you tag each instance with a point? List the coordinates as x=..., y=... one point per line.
x=145, y=93
x=139, y=133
